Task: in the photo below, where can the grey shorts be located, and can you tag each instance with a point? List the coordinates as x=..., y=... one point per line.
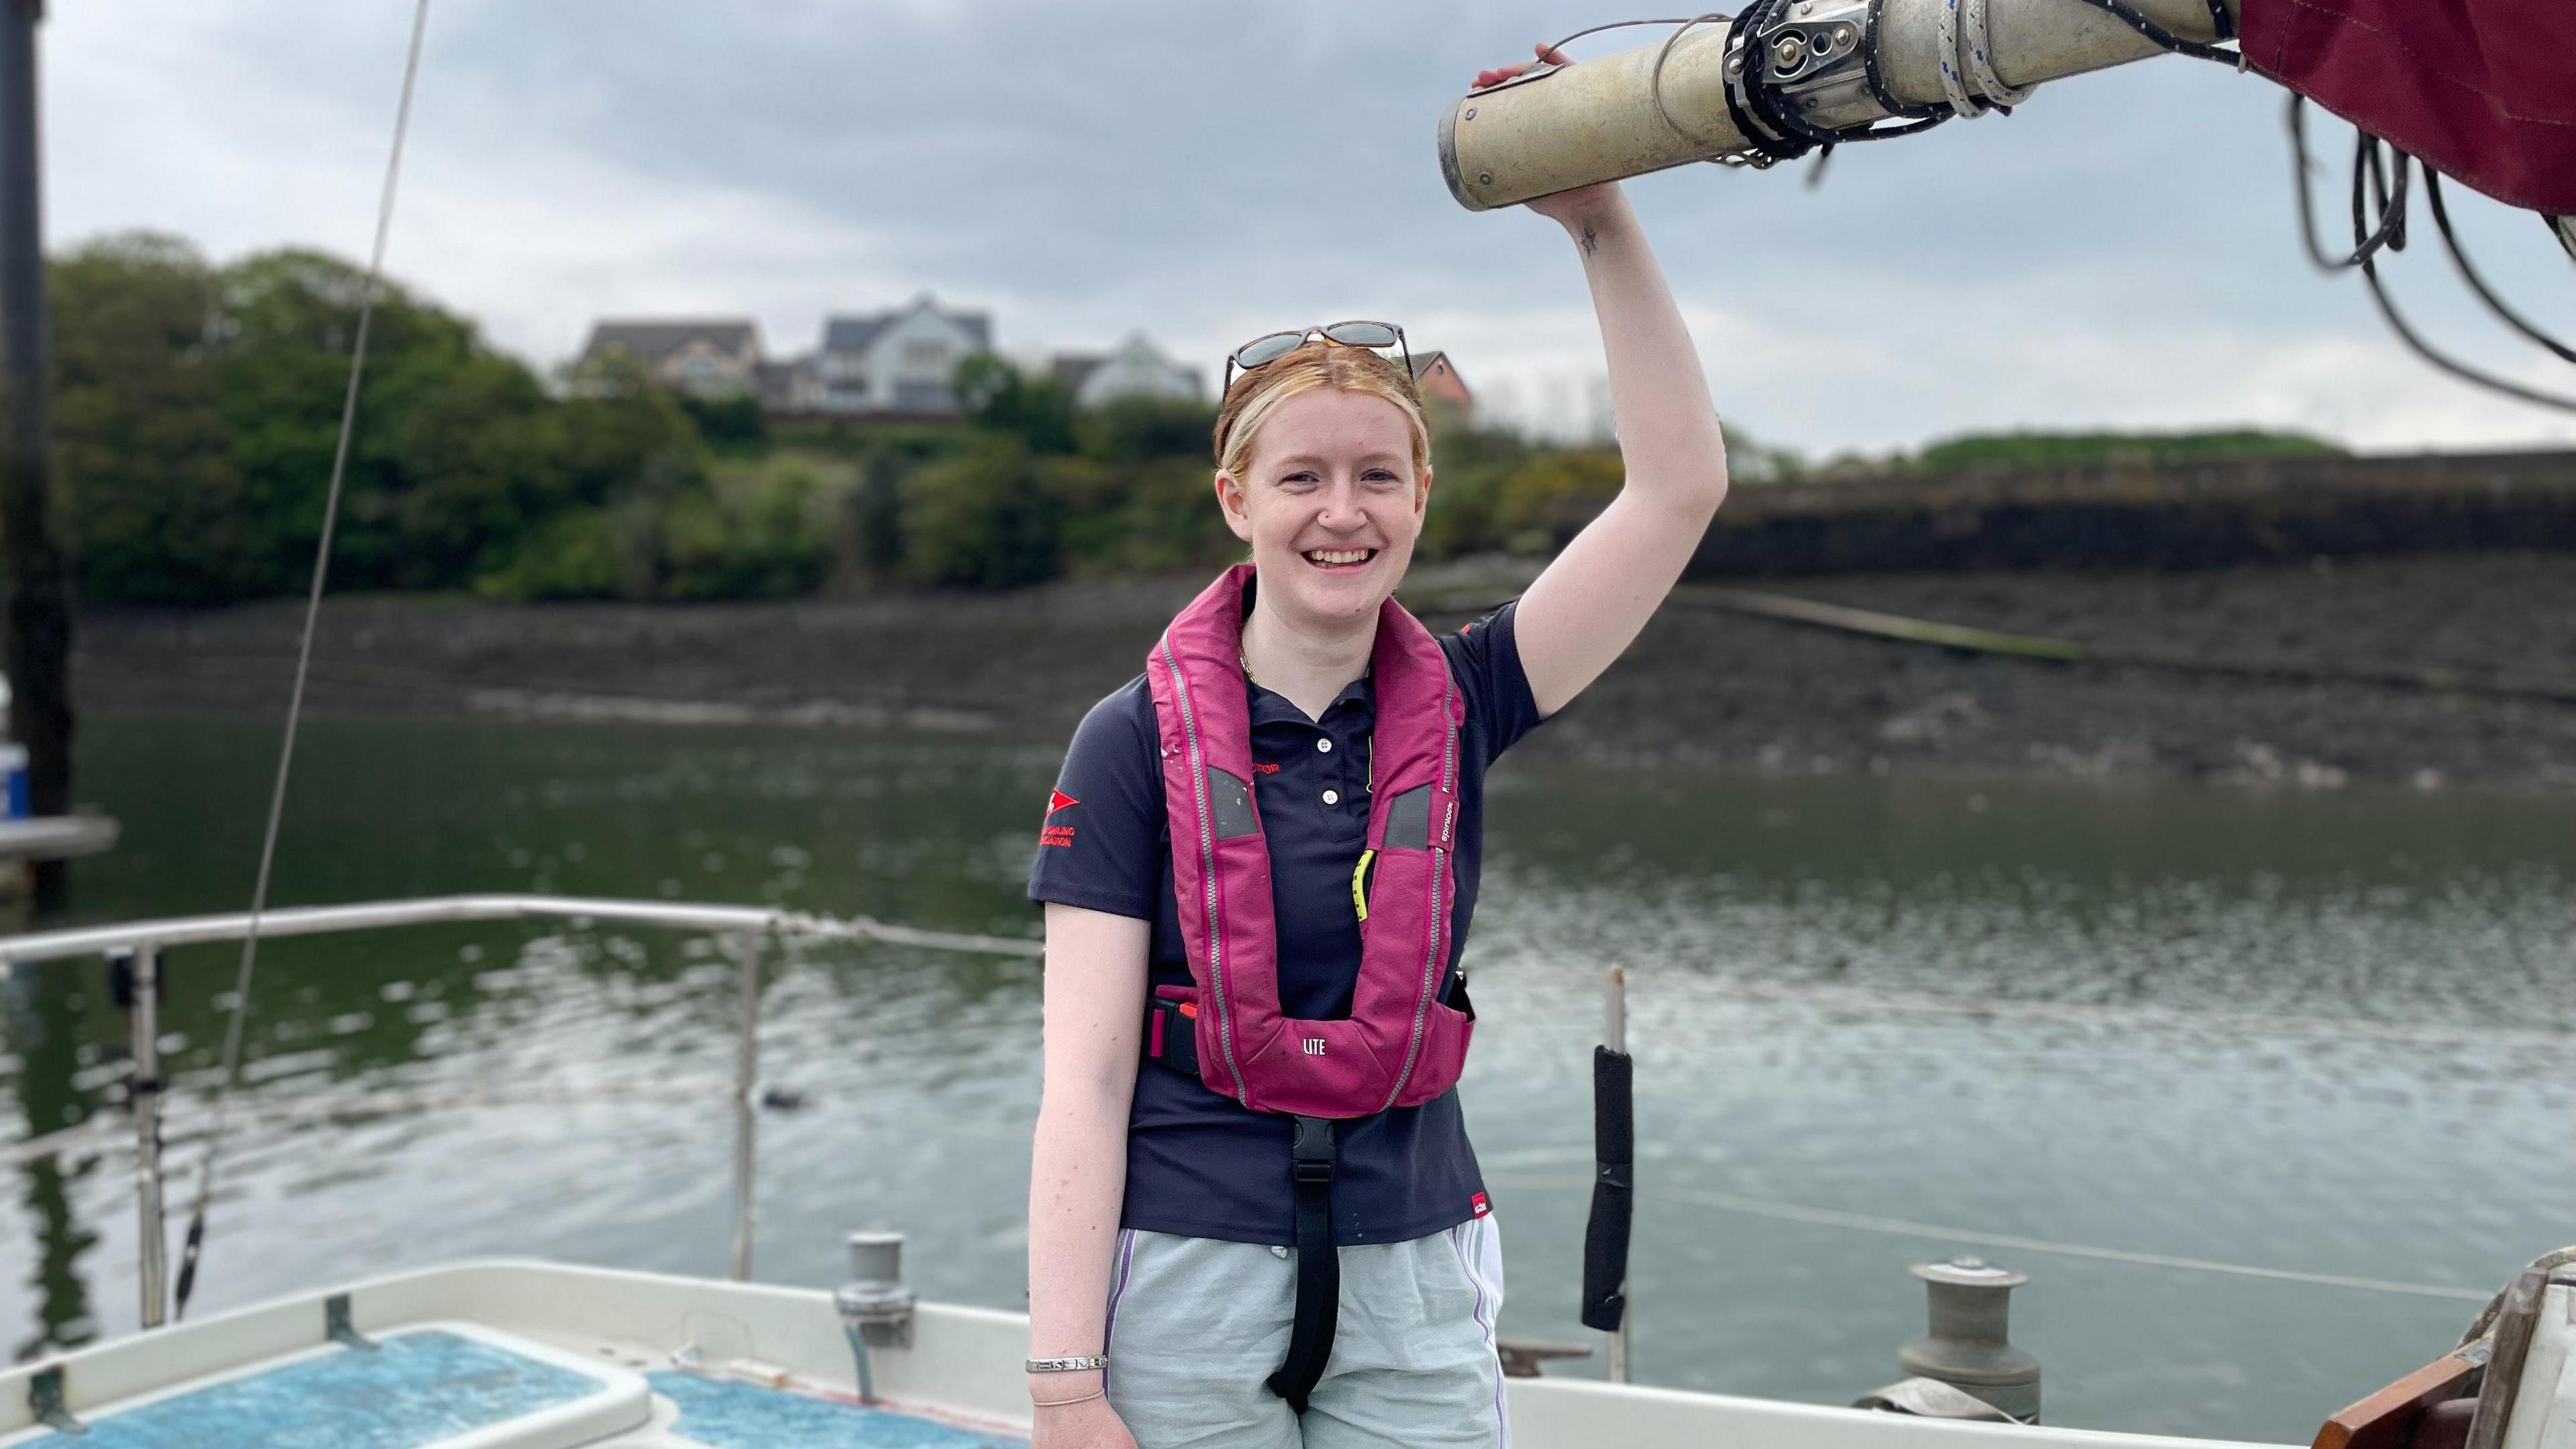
x=1196, y=1325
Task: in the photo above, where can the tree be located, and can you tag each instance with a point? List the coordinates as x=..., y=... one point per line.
x=1549, y=498
x=1998, y=451
x=153, y=497
x=1000, y=398
x=980, y=520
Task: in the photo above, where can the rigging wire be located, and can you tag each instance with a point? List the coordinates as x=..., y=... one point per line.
x=1767, y=1207
x=231, y=1070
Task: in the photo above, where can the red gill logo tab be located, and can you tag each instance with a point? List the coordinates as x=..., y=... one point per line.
x=1478, y=1207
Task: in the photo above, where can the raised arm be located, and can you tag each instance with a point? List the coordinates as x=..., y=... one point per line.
x=1585, y=609
x=1094, y=1012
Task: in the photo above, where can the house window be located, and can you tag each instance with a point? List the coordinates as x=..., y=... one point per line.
x=926, y=357
x=924, y=397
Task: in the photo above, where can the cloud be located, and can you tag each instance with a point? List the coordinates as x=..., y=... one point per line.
x=2118, y=252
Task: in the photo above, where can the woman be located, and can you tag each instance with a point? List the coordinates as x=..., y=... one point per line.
x=1230, y=1079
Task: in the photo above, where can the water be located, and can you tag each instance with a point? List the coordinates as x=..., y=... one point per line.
x=2327, y=1033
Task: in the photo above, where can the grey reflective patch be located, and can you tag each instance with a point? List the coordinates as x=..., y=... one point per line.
x=1230, y=803
x=1408, y=820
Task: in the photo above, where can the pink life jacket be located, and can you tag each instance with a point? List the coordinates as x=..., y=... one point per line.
x=1400, y=1046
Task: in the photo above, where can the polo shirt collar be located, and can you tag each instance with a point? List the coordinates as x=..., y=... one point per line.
x=1271, y=707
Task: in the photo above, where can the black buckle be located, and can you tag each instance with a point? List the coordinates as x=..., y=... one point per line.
x=1313, y=1149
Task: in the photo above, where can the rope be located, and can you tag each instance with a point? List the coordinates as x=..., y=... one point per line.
x=303, y=667
x=1978, y=36
x=2165, y=39
x=2371, y=177
x=2478, y=283
x=1902, y=1228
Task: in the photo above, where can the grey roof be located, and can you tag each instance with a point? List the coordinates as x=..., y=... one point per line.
x=854, y=333
x=1071, y=368
x=653, y=341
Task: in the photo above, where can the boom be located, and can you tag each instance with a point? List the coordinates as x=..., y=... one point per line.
x=1838, y=62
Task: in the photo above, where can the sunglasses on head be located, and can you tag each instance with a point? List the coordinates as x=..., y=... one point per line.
x=1272, y=346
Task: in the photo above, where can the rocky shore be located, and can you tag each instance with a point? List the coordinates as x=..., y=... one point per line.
x=2427, y=671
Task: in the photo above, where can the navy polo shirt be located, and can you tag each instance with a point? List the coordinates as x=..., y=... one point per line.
x=1198, y=1164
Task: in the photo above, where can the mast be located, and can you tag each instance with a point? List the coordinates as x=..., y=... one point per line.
x=39, y=630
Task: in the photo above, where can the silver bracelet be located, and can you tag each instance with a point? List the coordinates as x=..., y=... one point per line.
x=1068, y=1365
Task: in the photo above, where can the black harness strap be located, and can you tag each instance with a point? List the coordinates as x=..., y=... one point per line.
x=1319, y=1266
x=1171, y=1041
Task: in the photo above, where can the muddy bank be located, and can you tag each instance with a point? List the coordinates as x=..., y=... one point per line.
x=1703, y=687
x=2168, y=515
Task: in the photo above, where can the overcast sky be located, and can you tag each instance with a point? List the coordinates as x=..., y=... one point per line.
x=2120, y=252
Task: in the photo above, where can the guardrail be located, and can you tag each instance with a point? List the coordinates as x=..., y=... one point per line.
x=135, y=947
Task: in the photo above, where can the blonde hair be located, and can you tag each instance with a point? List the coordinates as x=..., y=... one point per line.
x=1312, y=368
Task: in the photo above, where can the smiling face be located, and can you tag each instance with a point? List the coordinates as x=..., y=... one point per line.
x=1331, y=501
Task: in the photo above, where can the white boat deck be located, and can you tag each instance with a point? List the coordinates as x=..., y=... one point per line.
x=528, y=1355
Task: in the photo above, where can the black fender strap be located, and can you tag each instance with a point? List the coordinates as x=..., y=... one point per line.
x=1319, y=1266
x=1614, y=1150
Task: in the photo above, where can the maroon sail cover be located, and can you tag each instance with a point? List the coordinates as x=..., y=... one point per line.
x=2482, y=90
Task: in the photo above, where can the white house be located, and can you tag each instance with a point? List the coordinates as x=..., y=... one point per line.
x=901, y=361
x=1135, y=368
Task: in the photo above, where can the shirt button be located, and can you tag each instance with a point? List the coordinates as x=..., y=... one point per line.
x=1332, y=797
x=1324, y=746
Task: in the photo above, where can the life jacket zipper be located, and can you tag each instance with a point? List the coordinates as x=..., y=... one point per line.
x=1207, y=872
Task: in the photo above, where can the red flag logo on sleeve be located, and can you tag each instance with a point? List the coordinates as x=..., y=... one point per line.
x=1057, y=800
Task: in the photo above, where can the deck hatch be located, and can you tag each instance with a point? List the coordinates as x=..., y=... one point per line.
x=726, y=1414
x=414, y=1390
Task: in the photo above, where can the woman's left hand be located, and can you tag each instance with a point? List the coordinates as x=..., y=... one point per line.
x=1568, y=209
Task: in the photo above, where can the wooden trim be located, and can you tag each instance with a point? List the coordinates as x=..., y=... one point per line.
x=2386, y=1420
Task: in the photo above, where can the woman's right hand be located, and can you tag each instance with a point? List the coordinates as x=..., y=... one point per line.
x=1091, y=1424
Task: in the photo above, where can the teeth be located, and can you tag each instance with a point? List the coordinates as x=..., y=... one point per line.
x=1339, y=555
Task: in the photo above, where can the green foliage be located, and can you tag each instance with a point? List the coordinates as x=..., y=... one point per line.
x=1150, y=516
x=1000, y=398
x=983, y=519
x=1137, y=429
x=1468, y=469
x=1977, y=452
x=1551, y=496
x=152, y=498
x=748, y=532
x=868, y=536
x=197, y=408
x=730, y=424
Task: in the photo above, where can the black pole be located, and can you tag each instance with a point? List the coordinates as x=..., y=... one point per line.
x=40, y=621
